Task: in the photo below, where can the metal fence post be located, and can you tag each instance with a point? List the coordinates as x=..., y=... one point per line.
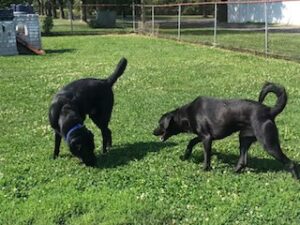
x=266, y=28
x=215, y=25
x=152, y=20
x=179, y=22
x=133, y=16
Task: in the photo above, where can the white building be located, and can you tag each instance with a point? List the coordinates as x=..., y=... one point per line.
x=286, y=12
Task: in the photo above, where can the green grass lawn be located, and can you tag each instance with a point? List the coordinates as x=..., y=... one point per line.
x=280, y=43
x=283, y=43
x=141, y=181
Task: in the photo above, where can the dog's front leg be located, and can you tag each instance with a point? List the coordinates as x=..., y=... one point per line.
x=189, y=148
x=57, y=145
x=207, y=141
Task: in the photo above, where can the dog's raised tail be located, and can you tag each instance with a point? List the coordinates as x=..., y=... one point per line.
x=118, y=71
x=281, y=94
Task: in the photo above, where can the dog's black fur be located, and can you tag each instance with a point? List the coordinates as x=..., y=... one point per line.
x=93, y=97
x=212, y=119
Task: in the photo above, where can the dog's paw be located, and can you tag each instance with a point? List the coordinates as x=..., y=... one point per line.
x=239, y=168
x=207, y=168
x=104, y=151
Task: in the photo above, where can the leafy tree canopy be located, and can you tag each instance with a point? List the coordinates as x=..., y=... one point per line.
x=170, y=1
x=7, y=3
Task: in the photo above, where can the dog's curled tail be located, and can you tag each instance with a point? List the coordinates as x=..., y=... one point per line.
x=118, y=71
x=281, y=94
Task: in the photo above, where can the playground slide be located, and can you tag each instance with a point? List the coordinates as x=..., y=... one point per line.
x=29, y=47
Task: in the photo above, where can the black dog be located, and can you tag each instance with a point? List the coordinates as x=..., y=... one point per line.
x=212, y=119
x=93, y=97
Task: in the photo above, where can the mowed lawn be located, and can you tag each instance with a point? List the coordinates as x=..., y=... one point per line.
x=279, y=43
x=141, y=180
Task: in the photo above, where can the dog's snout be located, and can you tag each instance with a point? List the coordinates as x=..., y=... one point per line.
x=157, y=132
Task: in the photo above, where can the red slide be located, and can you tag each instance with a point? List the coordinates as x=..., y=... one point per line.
x=28, y=46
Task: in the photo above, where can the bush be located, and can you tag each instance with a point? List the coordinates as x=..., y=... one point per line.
x=93, y=23
x=47, y=24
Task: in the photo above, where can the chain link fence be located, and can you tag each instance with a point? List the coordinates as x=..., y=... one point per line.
x=263, y=27
x=270, y=27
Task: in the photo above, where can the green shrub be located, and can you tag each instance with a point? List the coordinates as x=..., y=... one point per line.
x=47, y=24
x=93, y=23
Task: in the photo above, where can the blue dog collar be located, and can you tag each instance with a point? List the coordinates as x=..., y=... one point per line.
x=76, y=127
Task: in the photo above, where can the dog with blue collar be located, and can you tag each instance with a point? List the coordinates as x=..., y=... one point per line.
x=70, y=106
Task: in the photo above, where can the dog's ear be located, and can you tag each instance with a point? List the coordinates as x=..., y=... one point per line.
x=90, y=134
x=168, y=121
x=185, y=124
x=75, y=146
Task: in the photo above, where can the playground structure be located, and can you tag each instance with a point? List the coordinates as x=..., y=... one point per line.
x=8, y=45
x=20, y=31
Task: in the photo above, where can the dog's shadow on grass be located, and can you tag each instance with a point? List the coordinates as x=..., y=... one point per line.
x=257, y=165
x=122, y=154
x=59, y=51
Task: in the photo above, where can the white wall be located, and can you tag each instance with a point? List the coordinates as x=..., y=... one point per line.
x=279, y=12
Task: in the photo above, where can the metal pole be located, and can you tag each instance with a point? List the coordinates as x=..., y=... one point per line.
x=179, y=22
x=152, y=20
x=215, y=25
x=133, y=16
x=266, y=28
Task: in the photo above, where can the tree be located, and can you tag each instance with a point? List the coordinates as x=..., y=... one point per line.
x=54, y=13
x=48, y=8
x=41, y=7
x=83, y=10
x=7, y=3
x=61, y=9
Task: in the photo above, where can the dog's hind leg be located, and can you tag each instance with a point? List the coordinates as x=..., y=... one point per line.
x=106, y=136
x=190, y=147
x=267, y=135
x=57, y=145
x=245, y=143
x=207, y=142
x=102, y=124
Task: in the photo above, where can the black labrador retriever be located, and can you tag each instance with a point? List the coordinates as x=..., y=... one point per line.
x=90, y=96
x=212, y=119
